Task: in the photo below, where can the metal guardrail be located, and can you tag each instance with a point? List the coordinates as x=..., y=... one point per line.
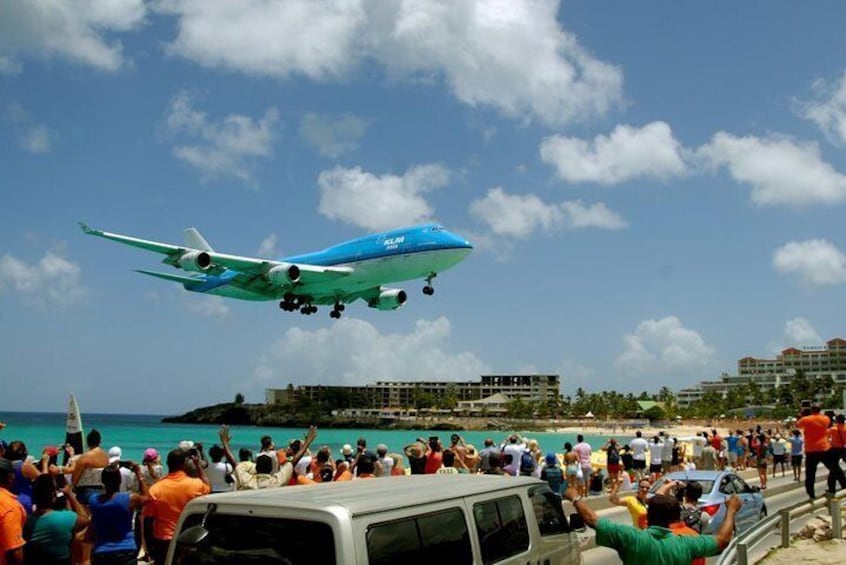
x=739, y=549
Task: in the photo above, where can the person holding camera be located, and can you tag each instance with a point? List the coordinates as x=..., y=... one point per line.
x=112, y=516
x=170, y=495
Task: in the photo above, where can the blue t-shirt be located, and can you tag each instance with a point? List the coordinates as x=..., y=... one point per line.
x=732, y=443
x=796, y=445
x=112, y=521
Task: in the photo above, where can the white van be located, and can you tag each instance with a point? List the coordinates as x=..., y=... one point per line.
x=418, y=519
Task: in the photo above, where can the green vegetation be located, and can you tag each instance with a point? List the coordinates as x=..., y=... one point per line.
x=605, y=405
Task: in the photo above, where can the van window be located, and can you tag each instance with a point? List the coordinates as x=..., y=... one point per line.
x=421, y=540
x=548, y=512
x=235, y=539
x=501, y=525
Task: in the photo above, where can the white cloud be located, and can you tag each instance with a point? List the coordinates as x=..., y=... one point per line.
x=53, y=280
x=828, y=111
x=816, y=262
x=518, y=216
x=333, y=136
x=31, y=136
x=665, y=347
x=354, y=352
x=73, y=30
x=9, y=67
x=479, y=49
x=626, y=154
x=800, y=331
x=379, y=203
x=267, y=247
x=780, y=170
x=227, y=147
x=207, y=306
x=36, y=139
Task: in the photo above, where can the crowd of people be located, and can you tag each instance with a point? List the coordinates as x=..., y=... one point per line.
x=96, y=507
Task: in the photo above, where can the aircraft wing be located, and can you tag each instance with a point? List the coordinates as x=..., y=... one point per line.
x=211, y=262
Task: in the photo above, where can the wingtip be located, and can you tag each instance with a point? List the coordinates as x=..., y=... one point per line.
x=85, y=227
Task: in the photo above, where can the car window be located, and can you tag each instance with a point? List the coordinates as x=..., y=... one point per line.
x=727, y=486
x=548, y=512
x=502, y=528
x=255, y=539
x=417, y=539
x=740, y=485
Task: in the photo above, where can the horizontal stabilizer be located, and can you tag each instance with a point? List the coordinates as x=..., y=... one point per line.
x=169, y=277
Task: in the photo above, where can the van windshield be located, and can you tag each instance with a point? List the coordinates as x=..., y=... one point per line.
x=258, y=539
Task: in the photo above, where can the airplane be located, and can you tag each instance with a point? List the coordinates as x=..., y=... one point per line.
x=338, y=275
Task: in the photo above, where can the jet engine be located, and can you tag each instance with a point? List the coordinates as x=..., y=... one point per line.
x=284, y=274
x=389, y=299
x=196, y=261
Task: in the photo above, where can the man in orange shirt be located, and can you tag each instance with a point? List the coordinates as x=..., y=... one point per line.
x=169, y=496
x=837, y=437
x=12, y=518
x=818, y=450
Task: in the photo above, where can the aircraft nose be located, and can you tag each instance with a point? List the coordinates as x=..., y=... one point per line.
x=460, y=242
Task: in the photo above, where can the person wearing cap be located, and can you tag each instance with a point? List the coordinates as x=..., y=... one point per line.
x=12, y=518
x=115, y=454
x=553, y=474
x=151, y=472
x=347, y=452
x=384, y=463
x=25, y=473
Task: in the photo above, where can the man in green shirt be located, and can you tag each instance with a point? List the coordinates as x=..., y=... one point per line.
x=656, y=545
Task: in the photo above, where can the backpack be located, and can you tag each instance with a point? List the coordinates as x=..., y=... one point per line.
x=613, y=456
x=527, y=463
x=692, y=518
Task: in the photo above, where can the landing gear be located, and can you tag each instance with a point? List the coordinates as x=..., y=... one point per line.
x=429, y=290
x=289, y=302
x=336, y=311
x=308, y=309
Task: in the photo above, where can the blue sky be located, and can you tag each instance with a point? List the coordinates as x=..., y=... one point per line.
x=654, y=191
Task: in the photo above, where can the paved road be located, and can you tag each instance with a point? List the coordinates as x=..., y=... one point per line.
x=605, y=556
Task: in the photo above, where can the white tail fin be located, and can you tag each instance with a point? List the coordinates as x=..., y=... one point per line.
x=195, y=240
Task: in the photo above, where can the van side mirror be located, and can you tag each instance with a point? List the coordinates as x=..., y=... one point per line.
x=576, y=522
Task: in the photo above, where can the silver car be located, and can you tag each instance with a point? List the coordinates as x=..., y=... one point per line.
x=717, y=487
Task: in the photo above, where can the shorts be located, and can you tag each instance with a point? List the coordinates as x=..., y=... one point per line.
x=779, y=459
x=638, y=464
x=613, y=467
x=761, y=463
x=655, y=468
x=665, y=466
x=795, y=460
x=732, y=457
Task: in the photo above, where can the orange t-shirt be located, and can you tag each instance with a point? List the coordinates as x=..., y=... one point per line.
x=681, y=529
x=837, y=435
x=344, y=476
x=815, y=429
x=169, y=497
x=12, y=519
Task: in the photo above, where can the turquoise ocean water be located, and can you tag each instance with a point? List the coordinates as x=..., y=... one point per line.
x=133, y=433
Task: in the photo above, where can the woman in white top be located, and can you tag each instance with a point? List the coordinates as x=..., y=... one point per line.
x=219, y=471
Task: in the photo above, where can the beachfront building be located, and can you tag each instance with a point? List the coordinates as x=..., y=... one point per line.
x=821, y=361
x=541, y=388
